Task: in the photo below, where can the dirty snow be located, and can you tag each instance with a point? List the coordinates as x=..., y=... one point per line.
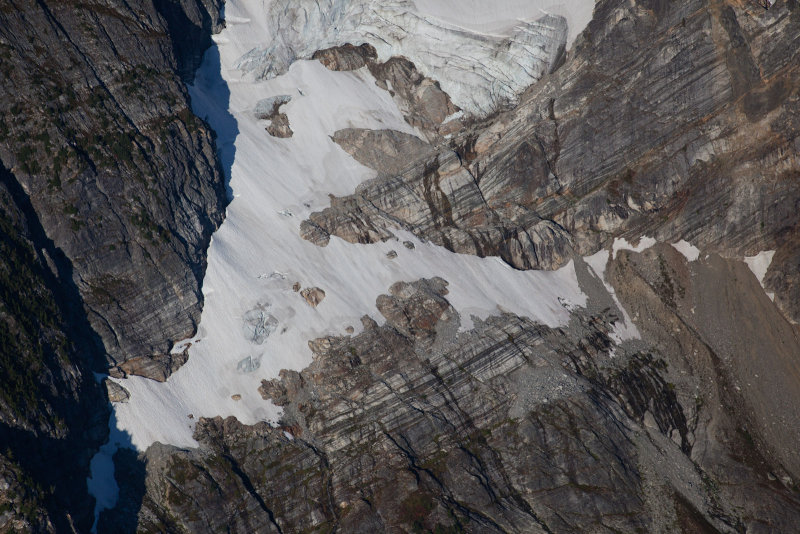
x=622, y=244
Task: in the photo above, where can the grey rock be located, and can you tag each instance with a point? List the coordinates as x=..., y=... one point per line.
x=116, y=393
x=123, y=177
x=421, y=100
x=511, y=426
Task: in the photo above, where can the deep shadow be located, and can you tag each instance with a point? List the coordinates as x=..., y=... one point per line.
x=52, y=437
x=129, y=474
x=210, y=99
x=189, y=25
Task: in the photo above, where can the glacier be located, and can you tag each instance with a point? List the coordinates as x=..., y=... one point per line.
x=254, y=322
x=483, y=66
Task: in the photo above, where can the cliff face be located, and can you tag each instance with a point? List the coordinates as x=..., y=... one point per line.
x=109, y=191
x=97, y=129
x=53, y=414
x=672, y=121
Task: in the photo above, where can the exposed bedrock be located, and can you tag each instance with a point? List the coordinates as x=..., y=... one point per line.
x=508, y=427
x=672, y=120
x=95, y=125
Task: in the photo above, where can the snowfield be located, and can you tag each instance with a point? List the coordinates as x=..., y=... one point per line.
x=257, y=256
x=254, y=323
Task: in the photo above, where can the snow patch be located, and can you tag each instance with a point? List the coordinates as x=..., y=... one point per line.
x=759, y=264
x=690, y=252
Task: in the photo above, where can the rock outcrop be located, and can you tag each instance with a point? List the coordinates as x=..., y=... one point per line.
x=96, y=128
x=690, y=135
x=509, y=427
x=313, y=296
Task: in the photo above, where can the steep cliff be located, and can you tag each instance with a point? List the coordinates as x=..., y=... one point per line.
x=53, y=414
x=109, y=191
x=97, y=129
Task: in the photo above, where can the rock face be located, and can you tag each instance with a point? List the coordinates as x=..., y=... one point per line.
x=96, y=128
x=313, y=296
x=270, y=110
x=53, y=414
x=109, y=191
x=346, y=57
x=509, y=427
x=631, y=135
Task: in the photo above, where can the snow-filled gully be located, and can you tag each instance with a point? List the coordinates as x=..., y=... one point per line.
x=254, y=323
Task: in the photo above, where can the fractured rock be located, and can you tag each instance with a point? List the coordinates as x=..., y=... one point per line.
x=116, y=393
x=346, y=57
x=313, y=296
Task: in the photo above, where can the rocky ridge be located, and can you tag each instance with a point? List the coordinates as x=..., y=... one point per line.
x=631, y=136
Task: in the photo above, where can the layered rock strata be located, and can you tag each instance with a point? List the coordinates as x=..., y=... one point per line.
x=96, y=128
x=509, y=427
x=690, y=135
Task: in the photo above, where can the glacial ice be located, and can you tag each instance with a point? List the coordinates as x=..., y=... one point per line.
x=479, y=70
